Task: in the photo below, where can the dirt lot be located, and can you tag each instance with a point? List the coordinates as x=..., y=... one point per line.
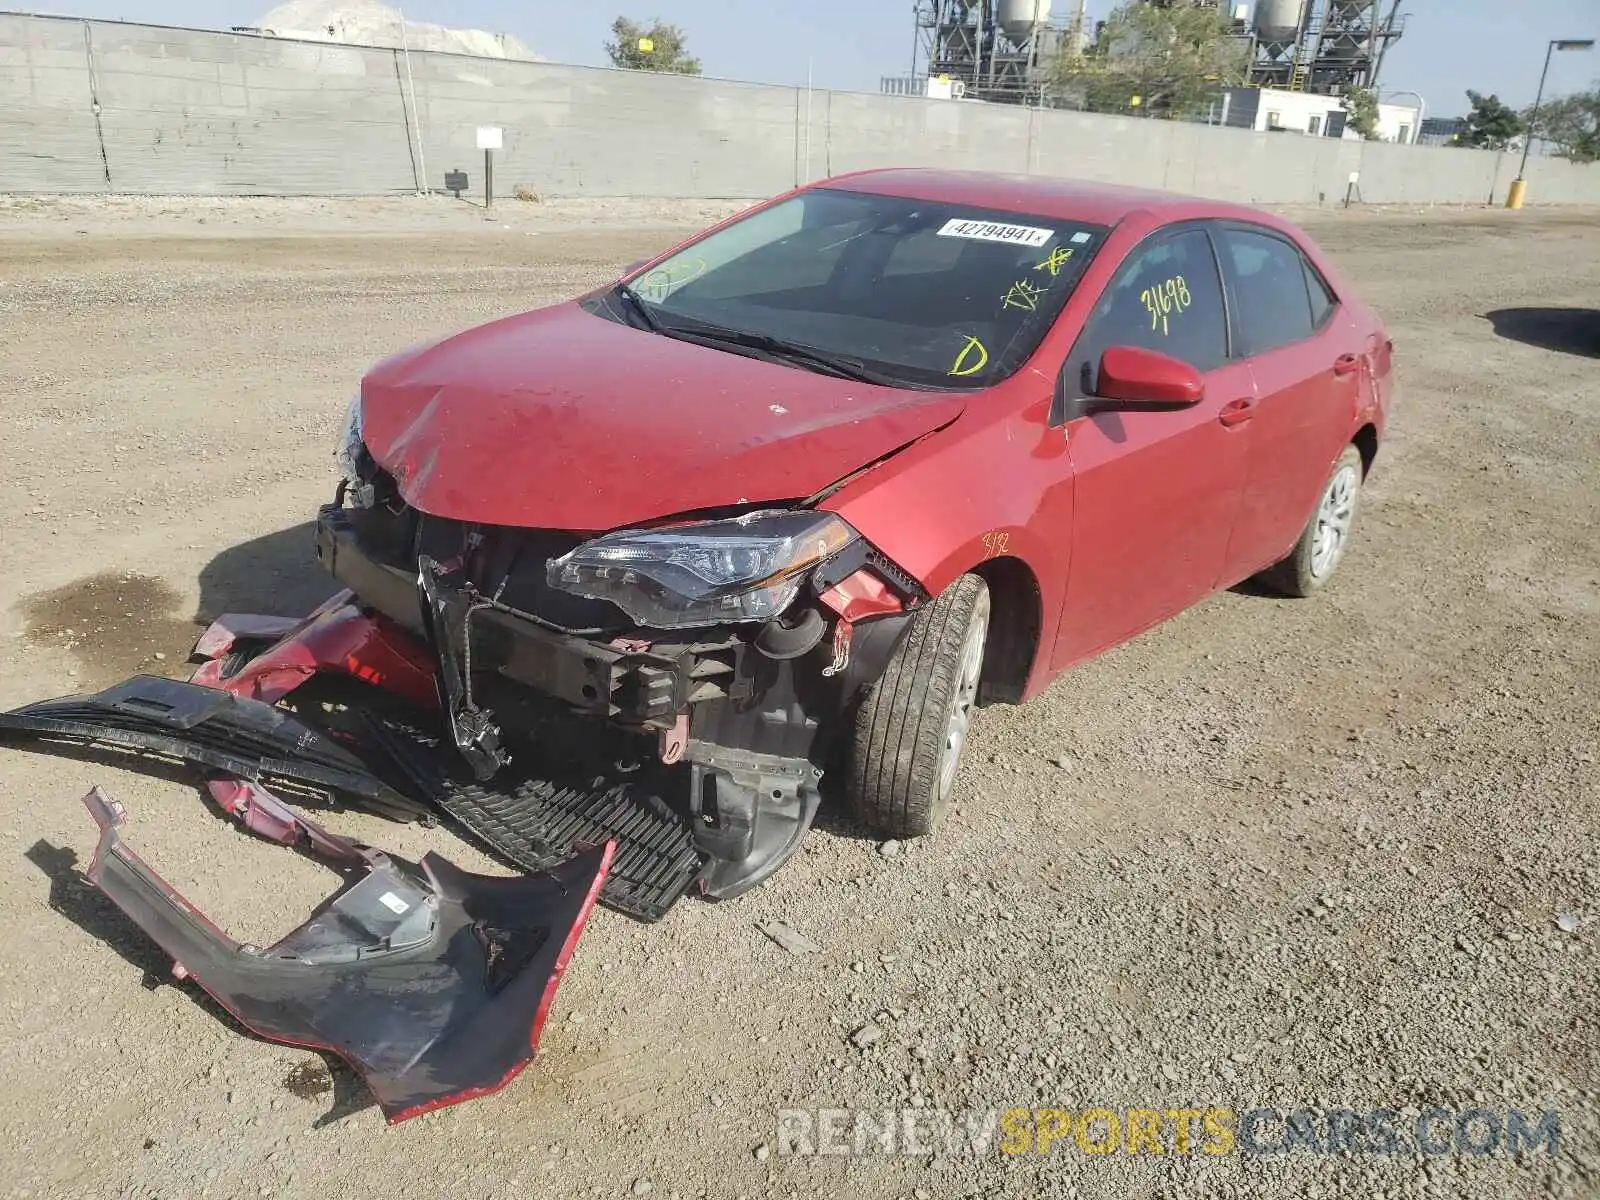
x=1271, y=855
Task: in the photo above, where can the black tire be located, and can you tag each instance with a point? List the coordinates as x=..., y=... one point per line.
x=898, y=752
x=1300, y=575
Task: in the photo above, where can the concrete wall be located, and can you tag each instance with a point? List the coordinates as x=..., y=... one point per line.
x=92, y=106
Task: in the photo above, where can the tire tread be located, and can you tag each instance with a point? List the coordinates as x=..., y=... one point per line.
x=900, y=725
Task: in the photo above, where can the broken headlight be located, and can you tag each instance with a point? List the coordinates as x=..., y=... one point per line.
x=352, y=452
x=709, y=573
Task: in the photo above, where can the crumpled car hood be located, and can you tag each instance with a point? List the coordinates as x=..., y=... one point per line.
x=560, y=419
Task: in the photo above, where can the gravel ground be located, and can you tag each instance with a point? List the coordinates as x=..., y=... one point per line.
x=1326, y=854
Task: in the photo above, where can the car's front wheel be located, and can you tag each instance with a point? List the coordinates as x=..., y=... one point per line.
x=912, y=726
x=1321, y=548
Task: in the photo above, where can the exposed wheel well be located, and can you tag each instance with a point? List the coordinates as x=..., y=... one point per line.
x=1366, y=441
x=1016, y=615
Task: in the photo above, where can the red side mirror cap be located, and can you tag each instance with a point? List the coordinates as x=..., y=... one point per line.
x=1134, y=376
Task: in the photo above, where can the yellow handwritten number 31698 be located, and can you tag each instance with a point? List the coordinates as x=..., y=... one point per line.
x=1164, y=299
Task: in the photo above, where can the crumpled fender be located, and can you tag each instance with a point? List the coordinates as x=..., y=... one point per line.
x=432, y=983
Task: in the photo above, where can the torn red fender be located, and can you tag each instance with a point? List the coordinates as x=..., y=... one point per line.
x=432, y=983
x=230, y=628
x=339, y=637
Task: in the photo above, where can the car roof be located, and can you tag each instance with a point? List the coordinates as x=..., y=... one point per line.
x=1041, y=195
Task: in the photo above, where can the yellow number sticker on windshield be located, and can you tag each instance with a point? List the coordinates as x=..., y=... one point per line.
x=1165, y=300
x=972, y=359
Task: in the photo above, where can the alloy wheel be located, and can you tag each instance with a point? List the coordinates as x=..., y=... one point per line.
x=1335, y=515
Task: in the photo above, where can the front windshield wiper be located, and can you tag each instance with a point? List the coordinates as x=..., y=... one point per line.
x=637, y=303
x=799, y=355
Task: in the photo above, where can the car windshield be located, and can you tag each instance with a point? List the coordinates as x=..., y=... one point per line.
x=911, y=293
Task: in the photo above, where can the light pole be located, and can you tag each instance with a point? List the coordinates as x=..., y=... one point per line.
x=1519, y=186
x=1422, y=112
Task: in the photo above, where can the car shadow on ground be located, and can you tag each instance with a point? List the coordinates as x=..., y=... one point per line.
x=1566, y=330
x=276, y=575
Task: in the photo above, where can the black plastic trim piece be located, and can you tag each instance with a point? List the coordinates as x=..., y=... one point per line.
x=211, y=728
x=537, y=824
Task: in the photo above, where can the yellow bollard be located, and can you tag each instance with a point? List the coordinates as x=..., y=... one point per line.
x=1518, y=193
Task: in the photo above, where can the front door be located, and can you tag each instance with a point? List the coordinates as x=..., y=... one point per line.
x=1156, y=493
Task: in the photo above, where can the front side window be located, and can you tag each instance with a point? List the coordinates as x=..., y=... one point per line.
x=1166, y=297
x=921, y=294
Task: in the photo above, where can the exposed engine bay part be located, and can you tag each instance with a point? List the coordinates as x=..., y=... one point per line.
x=474, y=732
x=432, y=983
x=213, y=729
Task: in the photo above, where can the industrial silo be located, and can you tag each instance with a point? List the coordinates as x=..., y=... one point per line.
x=1279, y=20
x=1019, y=18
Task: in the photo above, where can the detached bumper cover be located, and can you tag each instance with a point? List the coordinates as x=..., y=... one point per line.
x=213, y=729
x=433, y=984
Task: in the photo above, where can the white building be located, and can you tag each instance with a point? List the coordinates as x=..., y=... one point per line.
x=1265, y=109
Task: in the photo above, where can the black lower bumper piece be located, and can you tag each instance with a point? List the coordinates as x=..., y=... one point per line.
x=432, y=983
x=211, y=728
x=536, y=823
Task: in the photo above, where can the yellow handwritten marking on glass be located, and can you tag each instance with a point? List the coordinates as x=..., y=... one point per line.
x=964, y=364
x=1164, y=300
x=1059, y=257
x=663, y=281
x=1024, y=295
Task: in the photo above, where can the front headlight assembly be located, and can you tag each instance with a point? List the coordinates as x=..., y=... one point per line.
x=350, y=455
x=749, y=568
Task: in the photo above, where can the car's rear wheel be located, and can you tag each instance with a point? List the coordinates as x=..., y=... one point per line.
x=1323, y=542
x=912, y=726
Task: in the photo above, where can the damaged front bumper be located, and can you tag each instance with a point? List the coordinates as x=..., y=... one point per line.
x=749, y=710
x=432, y=983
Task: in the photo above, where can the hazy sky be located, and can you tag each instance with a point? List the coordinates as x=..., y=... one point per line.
x=1449, y=46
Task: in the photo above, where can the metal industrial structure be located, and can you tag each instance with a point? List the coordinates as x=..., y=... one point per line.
x=997, y=50
x=1004, y=50
x=1329, y=47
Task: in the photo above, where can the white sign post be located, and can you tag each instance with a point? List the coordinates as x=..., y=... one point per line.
x=490, y=139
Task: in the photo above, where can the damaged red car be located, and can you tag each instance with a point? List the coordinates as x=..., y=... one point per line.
x=797, y=496
x=628, y=580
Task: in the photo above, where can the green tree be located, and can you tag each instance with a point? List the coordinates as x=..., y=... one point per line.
x=1362, y=105
x=1491, y=124
x=657, y=48
x=1571, y=124
x=1173, y=58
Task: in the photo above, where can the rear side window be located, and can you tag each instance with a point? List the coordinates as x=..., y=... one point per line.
x=1273, y=304
x=1322, y=298
x=1167, y=297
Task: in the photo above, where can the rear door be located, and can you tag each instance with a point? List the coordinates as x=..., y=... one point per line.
x=1306, y=359
x=1155, y=492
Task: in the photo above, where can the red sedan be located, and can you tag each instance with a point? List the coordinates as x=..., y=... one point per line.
x=798, y=495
